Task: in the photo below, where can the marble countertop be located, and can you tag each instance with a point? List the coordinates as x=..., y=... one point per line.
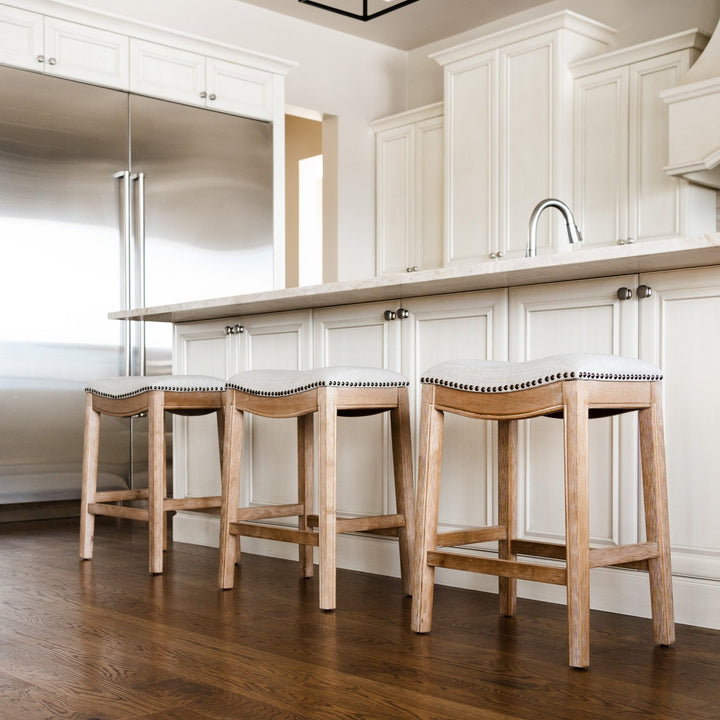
x=577, y=264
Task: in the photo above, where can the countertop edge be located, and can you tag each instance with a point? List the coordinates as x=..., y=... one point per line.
x=649, y=256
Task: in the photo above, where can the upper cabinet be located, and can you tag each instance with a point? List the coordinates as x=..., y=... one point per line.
x=195, y=79
x=58, y=47
x=621, y=192
x=409, y=190
x=508, y=130
x=148, y=61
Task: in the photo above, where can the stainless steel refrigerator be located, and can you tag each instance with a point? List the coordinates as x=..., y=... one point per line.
x=109, y=200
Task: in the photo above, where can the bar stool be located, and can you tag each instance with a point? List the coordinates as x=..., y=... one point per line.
x=576, y=388
x=126, y=397
x=329, y=392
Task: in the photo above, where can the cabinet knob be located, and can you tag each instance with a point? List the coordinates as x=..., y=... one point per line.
x=493, y=255
x=389, y=315
x=501, y=253
x=212, y=96
x=624, y=293
x=402, y=313
x=52, y=61
x=41, y=58
x=203, y=94
x=644, y=291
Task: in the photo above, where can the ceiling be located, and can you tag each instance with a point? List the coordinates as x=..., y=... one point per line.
x=406, y=28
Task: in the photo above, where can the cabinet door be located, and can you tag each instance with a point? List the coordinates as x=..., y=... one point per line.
x=582, y=316
x=359, y=335
x=395, y=194
x=278, y=341
x=466, y=325
x=169, y=73
x=471, y=142
x=429, y=200
x=680, y=333
x=84, y=53
x=528, y=145
x=601, y=157
x=658, y=202
x=21, y=38
x=204, y=348
x=239, y=89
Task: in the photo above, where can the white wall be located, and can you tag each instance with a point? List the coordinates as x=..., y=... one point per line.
x=636, y=21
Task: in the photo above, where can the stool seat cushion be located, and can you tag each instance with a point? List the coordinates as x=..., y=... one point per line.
x=487, y=376
x=277, y=383
x=117, y=388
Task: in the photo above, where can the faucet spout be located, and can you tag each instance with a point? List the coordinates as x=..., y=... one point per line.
x=574, y=234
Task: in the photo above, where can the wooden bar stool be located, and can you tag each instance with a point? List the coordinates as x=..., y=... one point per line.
x=575, y=388
x=329, y=392
x=126, y=397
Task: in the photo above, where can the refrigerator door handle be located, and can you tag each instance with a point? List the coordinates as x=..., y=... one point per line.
x=139, y=178
x=126, y=238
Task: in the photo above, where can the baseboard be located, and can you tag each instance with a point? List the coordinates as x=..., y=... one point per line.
x=49, y=510
x=611, y=589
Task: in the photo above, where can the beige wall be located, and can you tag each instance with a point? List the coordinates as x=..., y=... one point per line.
x=636, y=21
x=303, y=139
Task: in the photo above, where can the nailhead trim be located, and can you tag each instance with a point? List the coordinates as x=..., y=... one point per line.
x=557, y=377
x=217, y=386
x=312, y=386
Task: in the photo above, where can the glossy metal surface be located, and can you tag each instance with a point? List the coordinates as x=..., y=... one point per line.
x=71, y=250
x=573, y=232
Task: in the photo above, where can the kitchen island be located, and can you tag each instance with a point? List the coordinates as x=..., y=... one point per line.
x=659, y=301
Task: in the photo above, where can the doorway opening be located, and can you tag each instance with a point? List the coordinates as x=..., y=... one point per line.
x=307, y=208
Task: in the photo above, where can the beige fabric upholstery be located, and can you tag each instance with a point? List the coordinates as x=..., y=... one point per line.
x=276, y=383
x=489, y=376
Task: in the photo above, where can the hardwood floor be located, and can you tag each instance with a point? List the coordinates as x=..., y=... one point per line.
x=104, y=640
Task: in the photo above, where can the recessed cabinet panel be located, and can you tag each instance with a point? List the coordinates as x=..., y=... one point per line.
x=273, y=343
x=469, y=325
x=527, y=173
x=238, y=89
x=394, y=206
x=472, y=180
x=21, y=38
x=200, y=349
x=680, y=332
x=429, y=162
x=575, y=317
x=656, y=210
x=166, y=72
x=84, y=53
x=601, y=164
x=359, y=335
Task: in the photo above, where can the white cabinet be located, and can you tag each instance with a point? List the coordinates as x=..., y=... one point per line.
x=508, y=124
x=21, y=38
x=409, y=190
x=67, y=49
x=680, y=332
x=360, y=335
x=582, y=316
x=194, y=79
x=621, y=192
x=223, y=348
x=448, y=327
x=410, y=335
x=671, y=320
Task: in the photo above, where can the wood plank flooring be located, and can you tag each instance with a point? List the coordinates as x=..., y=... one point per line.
x=103, y=640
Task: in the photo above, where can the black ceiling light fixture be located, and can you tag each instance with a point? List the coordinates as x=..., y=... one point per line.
x=341, y=7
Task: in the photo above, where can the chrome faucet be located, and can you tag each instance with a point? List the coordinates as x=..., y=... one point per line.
x=573, y=232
